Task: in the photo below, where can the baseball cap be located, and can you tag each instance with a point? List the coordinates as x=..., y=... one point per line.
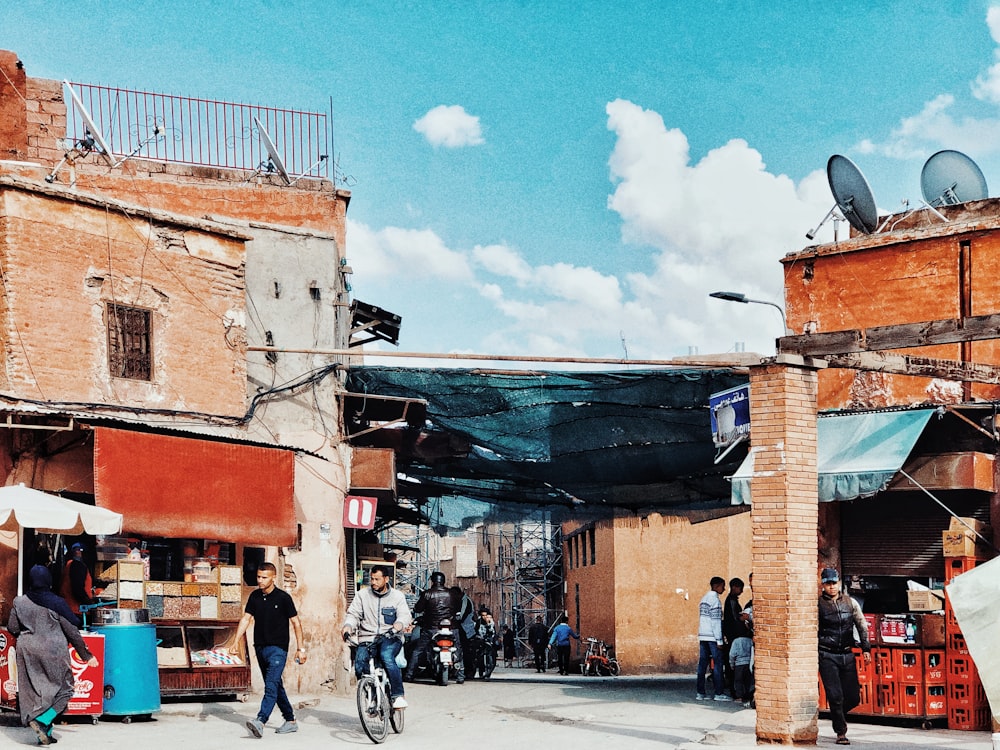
x=830, y=575
x=76, y=546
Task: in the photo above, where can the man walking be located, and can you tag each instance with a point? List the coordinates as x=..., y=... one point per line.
x=839, y=618
x=732, y=628
x=538, y=639
x=560, y=639
x=710, y=640
x=271, y=610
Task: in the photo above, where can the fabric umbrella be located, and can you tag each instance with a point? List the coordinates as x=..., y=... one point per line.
x=23, y=507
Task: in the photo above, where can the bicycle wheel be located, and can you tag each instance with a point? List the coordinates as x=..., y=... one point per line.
x=373, y=709
x=614, y=667
x=396, y=719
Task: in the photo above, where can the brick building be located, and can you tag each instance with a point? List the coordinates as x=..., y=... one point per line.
x=138, y=296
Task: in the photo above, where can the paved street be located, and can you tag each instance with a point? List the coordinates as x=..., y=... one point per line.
x=517, y=709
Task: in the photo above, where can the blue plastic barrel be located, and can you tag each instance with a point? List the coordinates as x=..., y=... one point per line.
x=131, y=675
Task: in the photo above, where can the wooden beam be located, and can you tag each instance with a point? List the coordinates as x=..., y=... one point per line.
x=924, y=367
x=903, y=336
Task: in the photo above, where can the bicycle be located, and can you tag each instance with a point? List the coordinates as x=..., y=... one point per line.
x=373, y=696
x=599, y=659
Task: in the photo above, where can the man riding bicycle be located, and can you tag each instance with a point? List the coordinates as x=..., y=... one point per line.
x=376, y=610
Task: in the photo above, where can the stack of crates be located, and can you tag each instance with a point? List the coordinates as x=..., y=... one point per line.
x=967, y=707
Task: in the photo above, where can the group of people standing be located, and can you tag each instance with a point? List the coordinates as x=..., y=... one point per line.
x=725, y=643
x=725, y=636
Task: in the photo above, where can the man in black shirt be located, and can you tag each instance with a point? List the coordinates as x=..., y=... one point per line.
x=538, y=639
x=271, y=610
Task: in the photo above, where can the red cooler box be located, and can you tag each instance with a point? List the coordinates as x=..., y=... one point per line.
x=8, y=671
x=88, y=682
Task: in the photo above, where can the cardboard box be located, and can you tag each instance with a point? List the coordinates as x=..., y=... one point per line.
x=963, y=543
x=925, y=601
x=963, y=524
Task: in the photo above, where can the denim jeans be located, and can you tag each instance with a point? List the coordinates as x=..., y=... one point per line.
x=272, y=663
x=389, y=648
x=710, y=650
x=839, y=673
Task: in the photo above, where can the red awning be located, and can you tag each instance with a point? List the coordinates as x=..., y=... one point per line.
x=182, y=488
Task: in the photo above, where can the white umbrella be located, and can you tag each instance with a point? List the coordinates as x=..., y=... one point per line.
x=23, y=507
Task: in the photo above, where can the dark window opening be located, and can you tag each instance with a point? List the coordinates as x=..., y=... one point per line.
x=130, y=342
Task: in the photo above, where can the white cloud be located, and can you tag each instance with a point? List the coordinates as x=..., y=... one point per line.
x=407, y=253
x=450, y=126
x=937, y=126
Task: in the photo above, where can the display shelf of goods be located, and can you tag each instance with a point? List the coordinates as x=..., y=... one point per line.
x=194, y=658
x=184, y=601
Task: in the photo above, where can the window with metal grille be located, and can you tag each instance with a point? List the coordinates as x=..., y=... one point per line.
x=130, y=342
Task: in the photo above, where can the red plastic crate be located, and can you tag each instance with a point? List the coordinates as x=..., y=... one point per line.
x=887, y=697
x=911, y=700
x=975, y=718
x=935, y=700
x=867, y=704
x=866, y=670
x=966, y=694
x=885, y=667
x=908, y=664
x=955, y=643
x=950, y=621
x=955, y=566
x=935, y=669
x=961, y=668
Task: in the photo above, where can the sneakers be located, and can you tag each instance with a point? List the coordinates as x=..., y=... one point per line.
x=746, y=704
x=288, y=727
x=256, y=728
x=722, y=698
x=701, y=697
x=399, y=702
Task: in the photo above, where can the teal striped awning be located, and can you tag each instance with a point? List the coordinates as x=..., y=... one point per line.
x=857, y=454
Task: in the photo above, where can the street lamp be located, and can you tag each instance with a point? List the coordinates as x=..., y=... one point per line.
x=738, y=297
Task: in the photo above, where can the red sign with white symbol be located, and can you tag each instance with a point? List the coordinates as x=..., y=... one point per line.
x=359, y=512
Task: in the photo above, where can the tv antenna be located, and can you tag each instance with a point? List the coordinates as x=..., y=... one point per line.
x=92, y=139
x=950, y=177
x=854, y=198
x=274, y=161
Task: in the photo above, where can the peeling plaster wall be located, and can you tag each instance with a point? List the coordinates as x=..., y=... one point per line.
x=907, y=276
x=64, y=262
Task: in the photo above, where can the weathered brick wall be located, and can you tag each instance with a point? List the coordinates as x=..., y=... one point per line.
x=784, y=523
x=64, y=261
x=878, y=281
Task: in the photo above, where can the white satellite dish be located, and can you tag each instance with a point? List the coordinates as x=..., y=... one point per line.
x=951, y=177
x=272, y=152
x=92, y=128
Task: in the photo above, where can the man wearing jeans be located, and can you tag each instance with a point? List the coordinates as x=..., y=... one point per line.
x=379, y=610
x=710, y=640
x=271, y=610
x=840, y=620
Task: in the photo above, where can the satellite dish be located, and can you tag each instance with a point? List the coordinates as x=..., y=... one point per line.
x=854, y=198
x=951, y=177
x=272, y=152
x=88, y=122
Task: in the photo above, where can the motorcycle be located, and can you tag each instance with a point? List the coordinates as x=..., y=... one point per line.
x=442, y=653
x=599, y=659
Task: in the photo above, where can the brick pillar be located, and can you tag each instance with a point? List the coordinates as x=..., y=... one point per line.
x=13, y=108
x=783, y=518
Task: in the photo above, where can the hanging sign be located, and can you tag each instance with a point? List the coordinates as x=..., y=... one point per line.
x=359, y=512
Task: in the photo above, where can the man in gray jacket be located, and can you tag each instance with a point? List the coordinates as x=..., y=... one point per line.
x=377, y=610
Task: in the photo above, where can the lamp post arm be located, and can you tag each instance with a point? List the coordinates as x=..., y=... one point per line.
x=776, y=306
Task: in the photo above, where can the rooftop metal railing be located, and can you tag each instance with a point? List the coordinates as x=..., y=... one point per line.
x=204, y=132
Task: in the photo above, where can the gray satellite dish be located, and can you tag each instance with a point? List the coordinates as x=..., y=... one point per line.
x=951, y=177
x=92, y=128
x=854, y=198
x=272, y=152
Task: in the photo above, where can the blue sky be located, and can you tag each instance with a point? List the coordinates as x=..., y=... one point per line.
x=571, y=179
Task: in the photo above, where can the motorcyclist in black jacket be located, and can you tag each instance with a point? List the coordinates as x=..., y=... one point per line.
x=433, y=606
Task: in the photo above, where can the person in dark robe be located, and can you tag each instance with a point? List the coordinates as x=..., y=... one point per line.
x=44, y=626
